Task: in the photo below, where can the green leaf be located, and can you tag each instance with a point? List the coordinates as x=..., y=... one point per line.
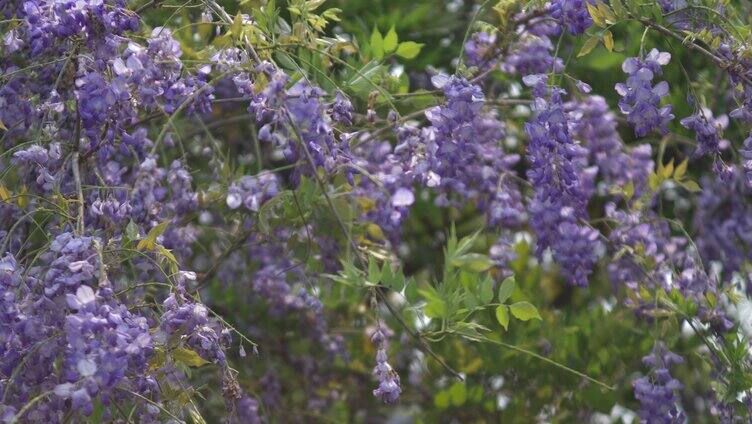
x=458, y=393
x=588, y=46
x=332, y=14
x=435, y=305
x=486, y=290
x=387, y=276
x=473, y=262
x=390, y=40
x=435, y=308
x=691, y=186
x=188, y=357
x=596, y=15
x=377, y=44
x=408, y=49
x=524, y=311
x=606, y=12
x=506, y=288
x=619, y=8
x=237, y=23
x=312, y=5
x=150, y=241
x=441, y=400
x=629, y=189
x=131, y=230
x=502, y=315
x=666, y=171
x=681, y=169
x=374, y=274
x=608, y=41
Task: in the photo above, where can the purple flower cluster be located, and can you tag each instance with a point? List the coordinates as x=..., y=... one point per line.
x=640, y=99
x=48, y=23
x=462, y=154
x=594, y=124
x=252, y=191
x=190, y=321
x=722, y=223
x=572, y=15
x=746, y=154
x=657, y=392
x=557, y=175
x=388, y=186
x=296, y=121
x=532, y=55
x=480, y=49
x=707, y=129
x=65, y=311
x=389, y=388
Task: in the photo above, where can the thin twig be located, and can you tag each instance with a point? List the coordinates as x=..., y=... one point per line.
x=77, y=179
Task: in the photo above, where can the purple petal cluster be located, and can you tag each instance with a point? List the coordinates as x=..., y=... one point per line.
x=389, y=388
x=480, y=49
x=594, y=124
x=252, y=191
x=708, y=131
x=532, y=55
x=640, y=99
x=558, y=207
x=657, y=391
x=296, y=121
x=572, y=15
x=462, y=154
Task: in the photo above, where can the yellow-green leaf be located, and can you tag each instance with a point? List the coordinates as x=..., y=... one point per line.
x=150, y=241
x=473, y=262
x=237, y=23
x=409, y=49
x=506, y=289
x=374, y=231
x=312, y=5
x=691, y=186
x=524, y=311
x=666, y=171
x=588, y=46
x=606, y=12
x=188, y=357
x=629, y=190
x=619, y=8
x=716, y=43
x=390, y=40
x=681, y=169
x=458, y=393
x=596, y=15
x=2, y=126
x=502, y=315
x=441, y=399
x=608, y=41
x=4, y=193
x=377, y=44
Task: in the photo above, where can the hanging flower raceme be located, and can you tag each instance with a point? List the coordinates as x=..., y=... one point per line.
x=640, y=99
x=389, y=382
x=572, y=15
x=657, y=391
x=558, y=208
x=708, y=131
x=594, y=124
x=462, y=154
